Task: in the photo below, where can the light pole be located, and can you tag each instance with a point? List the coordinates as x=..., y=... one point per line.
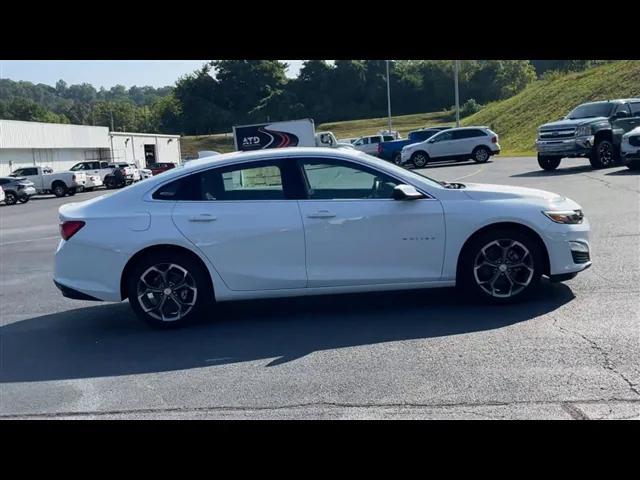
x=388, y=97
x=456, y=68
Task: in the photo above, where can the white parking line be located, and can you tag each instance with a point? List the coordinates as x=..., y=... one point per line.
x=30, y=240
x=471, y=174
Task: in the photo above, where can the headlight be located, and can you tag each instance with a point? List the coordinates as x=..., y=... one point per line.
x=568, y=216
x=583, y=131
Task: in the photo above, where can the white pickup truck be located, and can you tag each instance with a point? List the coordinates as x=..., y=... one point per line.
x=45, y=181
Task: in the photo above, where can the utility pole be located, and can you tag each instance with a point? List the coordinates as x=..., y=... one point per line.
x=456, y=68
x=388, y=96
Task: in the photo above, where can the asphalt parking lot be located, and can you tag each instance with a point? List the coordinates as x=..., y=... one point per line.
x=572, y=351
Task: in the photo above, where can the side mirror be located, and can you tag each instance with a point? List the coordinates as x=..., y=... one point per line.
x=406, y=192
x=431, y=140
x=621, y=114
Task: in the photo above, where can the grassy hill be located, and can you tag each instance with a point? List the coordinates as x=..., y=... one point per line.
x=515, y=119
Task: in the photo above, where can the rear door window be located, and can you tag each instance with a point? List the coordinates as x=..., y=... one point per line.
x=250, y=182
x=635, y=109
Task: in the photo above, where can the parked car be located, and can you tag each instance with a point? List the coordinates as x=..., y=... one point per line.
x=1, y=195
x=391, y=150
x=93, y=168
x=631, y=149
x=463, y=143
x=157, y=168
x=284, y=222
x=16, y=190
x=127, y=170
x=592, y=130
x=369, y=144
x=120, y=176
x=145, y=173
x=45, y=181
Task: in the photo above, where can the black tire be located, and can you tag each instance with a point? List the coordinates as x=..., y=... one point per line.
x=24, y=199
x=492, y=242
x=71, y=192
x=481, y=154
x=90, y=189
x=635, y=165
x=203, y=298
x=59, y=189
x=603, y=155
x=397, y=158
x=10, y=198
x=109, y=183
x=420, y=159
x=549, y=163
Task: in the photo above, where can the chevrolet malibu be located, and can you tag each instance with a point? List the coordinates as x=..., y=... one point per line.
x=307, y=221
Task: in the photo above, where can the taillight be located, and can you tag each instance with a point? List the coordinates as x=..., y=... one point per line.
x=70, y=228
x=494, y=139
x=379, y=148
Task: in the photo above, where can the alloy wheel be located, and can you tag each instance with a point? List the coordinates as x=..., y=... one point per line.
x=503, y=268
x=605, y=153
x=167, y=292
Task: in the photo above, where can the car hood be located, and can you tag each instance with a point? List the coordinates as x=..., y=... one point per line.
x=479, y=191
x=564, y=123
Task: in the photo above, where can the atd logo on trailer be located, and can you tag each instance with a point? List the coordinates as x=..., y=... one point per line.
x=257, y=138
x=250, y=141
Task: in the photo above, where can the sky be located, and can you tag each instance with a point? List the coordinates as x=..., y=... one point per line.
x=107, y=73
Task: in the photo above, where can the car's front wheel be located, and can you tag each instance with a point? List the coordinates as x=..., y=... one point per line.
x=603, y=155
x=501, y=265
x=168, y=290
x=548, y=163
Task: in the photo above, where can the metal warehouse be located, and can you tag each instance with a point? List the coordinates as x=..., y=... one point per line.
x=60, y=146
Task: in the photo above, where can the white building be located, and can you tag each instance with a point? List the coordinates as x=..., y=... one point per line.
x=61, y=146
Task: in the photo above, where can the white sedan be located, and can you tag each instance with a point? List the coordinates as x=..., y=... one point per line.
x=305, y=221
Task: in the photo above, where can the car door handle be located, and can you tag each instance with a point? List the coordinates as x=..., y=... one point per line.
x=204, y=217
x=322, y=214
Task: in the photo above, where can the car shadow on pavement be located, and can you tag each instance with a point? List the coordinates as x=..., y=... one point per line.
x=107, y=340
x=625, y=171
x=556, y=173
x=430, y=166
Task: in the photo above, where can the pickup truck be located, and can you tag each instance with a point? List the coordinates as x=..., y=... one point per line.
x=391, y=151
x=592, y=130
x=369, y=143
x=45, y=181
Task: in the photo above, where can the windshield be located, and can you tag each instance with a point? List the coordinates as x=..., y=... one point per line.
x=590, y=110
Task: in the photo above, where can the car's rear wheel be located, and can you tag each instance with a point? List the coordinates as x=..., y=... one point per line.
x=501, y=265
x=549, y=163
x=603, y=155
x=10, y=198
x=24, y=199
x=420, y=159
x=169, y=290
x=397, y=158
x=481, y=154
x=59, y=189
x=71, y=192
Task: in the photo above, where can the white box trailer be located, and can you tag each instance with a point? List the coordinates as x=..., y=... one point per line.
x=292, y=133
